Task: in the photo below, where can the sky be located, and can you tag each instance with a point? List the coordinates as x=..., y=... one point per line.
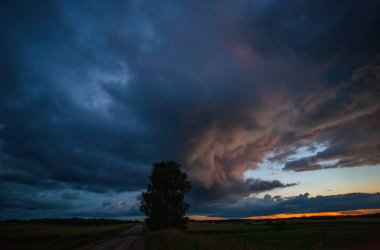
x=271, y=107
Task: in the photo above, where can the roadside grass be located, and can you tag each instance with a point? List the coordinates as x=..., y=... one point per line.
x=274, y=235
x=14, y=236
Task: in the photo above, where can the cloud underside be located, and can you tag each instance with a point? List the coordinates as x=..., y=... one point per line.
x=76, y=204
x=93, y=93
x=233, y=191
x=303, y=203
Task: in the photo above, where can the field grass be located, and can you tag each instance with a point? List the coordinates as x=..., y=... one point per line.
x=42, y=236
x=290, y=234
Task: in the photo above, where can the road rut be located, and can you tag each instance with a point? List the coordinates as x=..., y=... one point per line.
x=132, y=239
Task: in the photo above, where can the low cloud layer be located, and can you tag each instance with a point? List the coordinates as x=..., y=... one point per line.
x=93, y=93
x=303, y=203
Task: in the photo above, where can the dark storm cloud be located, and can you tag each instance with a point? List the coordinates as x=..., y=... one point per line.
x=19, y=201
x=21, y=197
x=257, y=186
x=303, y=203
x=348, y=147
x=218, y=195
x=70, y=195
x=93, y=92
x=323, y=31
x=49, y=128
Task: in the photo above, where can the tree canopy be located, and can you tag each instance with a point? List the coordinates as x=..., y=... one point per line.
x=163, y=202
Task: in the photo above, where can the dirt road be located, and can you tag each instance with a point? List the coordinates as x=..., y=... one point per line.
x=132, y=239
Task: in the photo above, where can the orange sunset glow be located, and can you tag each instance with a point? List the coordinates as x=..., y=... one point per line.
x=300, y=215
x=205, y=217
x=356, y=212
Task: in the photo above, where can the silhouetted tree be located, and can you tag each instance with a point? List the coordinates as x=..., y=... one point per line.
x=163, y=202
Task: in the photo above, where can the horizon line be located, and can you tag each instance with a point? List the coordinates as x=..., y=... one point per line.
x=348, y=213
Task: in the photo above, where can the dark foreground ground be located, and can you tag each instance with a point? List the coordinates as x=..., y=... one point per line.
x=355, y=233
x=290, y=234
x=132, y=239
x=56, y=235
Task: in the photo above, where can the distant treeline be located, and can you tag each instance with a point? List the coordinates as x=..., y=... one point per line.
x=376, y=215
x=73, y=221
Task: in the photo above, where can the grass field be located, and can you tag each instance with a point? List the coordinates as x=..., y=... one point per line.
x=290, y=234
x=40, y=236
x=280, y=234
